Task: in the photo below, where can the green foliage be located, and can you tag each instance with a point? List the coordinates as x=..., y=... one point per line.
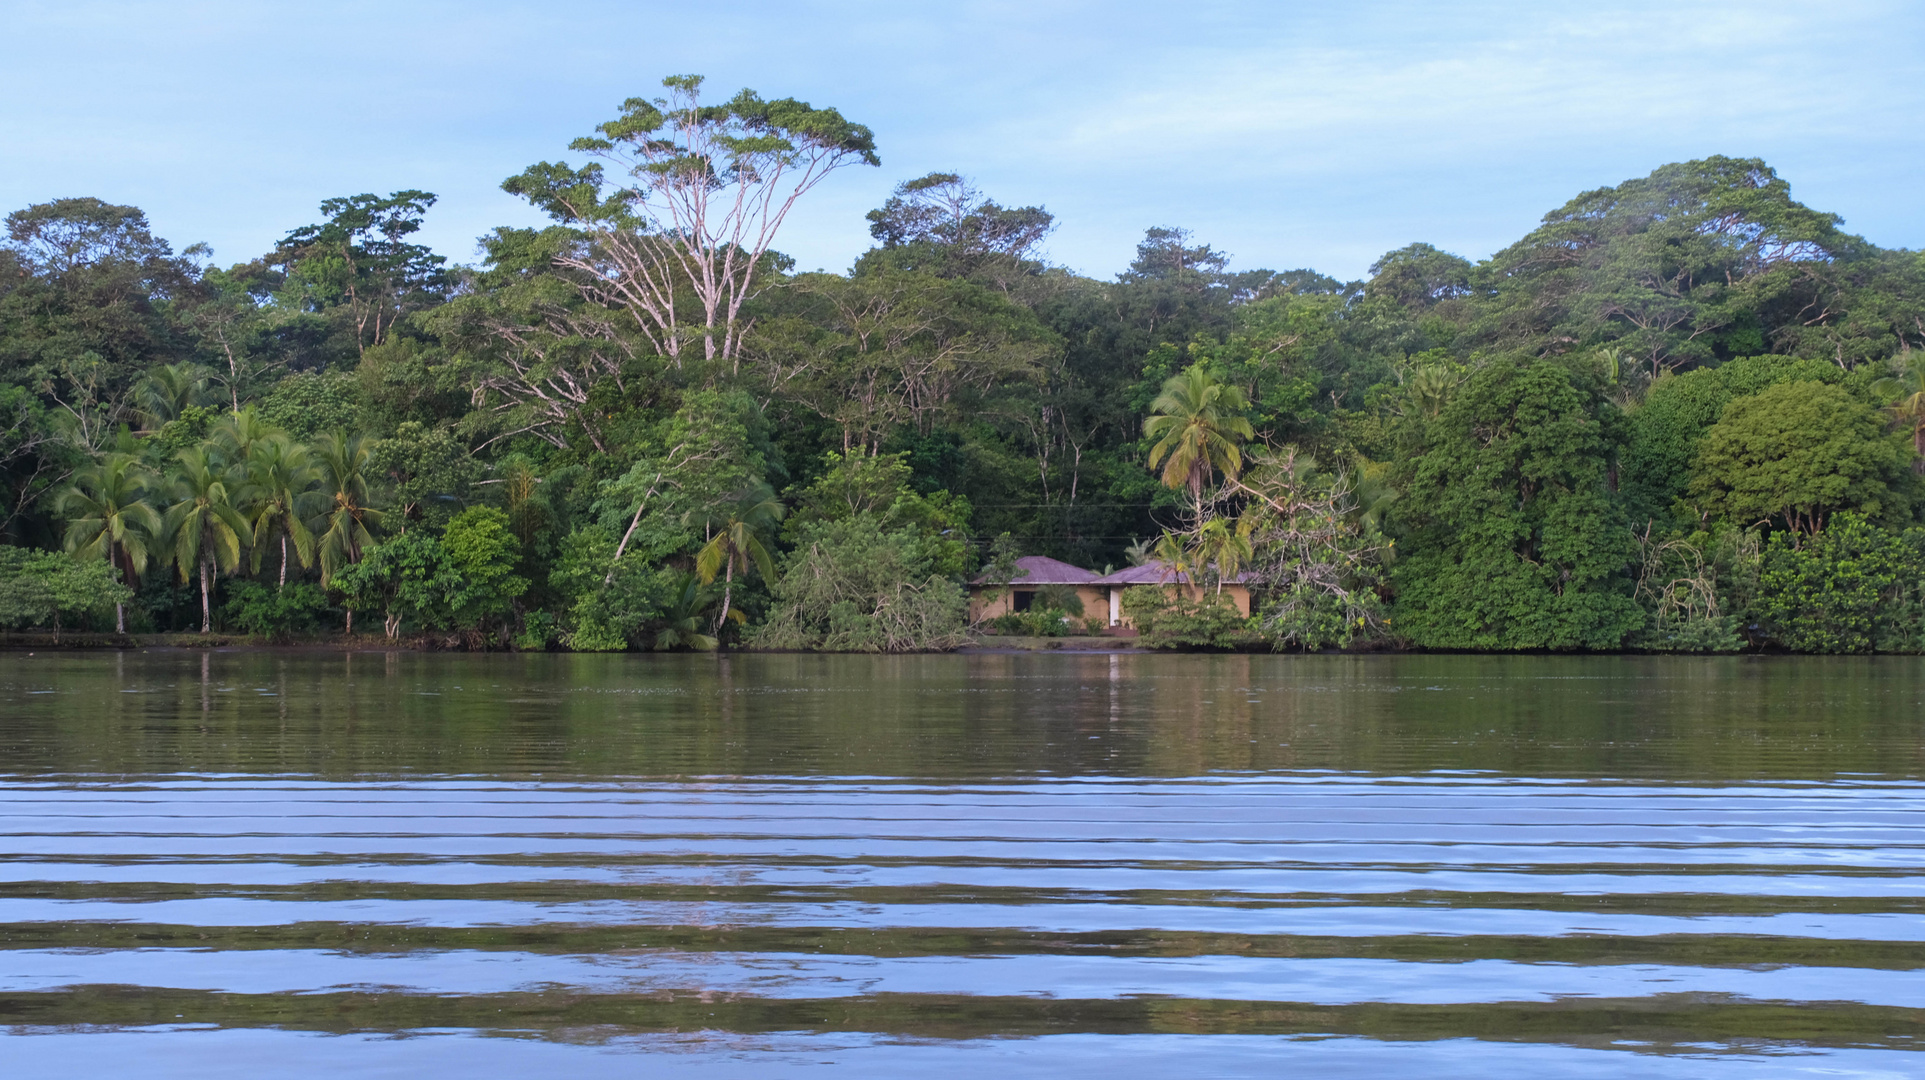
x=37, y=588
x=1166, y=619
x=1799, y=453
x=427, y=475
x=1510, y=537
x=308, y=404
x=856, y=585
x=1851, y=587
x=292, y=611
x=1663, y=434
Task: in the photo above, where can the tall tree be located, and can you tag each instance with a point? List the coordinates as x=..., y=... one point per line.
x=202, y=524
x=283, y=480
x=109, y=517
x=342, y=527
x=1510, y=537
x=706, y=188
x=740, y=541
x=1198, y=424
x=360, y=261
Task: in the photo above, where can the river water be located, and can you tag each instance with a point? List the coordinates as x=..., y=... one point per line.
x=320, y=864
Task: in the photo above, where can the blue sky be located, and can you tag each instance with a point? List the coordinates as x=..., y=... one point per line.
x=1289, y=134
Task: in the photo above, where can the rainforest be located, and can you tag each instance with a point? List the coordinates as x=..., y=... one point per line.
x=1685, y=413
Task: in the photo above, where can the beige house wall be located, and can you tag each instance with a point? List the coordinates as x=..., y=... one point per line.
x=1103, y=603
x=990, y=601
x=1236, y=594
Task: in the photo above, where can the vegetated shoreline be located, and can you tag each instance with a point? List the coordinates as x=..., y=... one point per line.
x=981, y=645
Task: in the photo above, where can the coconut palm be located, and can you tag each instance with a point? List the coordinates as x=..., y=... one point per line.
x=682, y=621
x=281, y=479
x=1221, y=548
x=240, y=432
x=740, y=543
x=109, y=518
x=1904, y=389
x=203, y=527
x=341, y=527
x=1197, y=424
x=167, y=390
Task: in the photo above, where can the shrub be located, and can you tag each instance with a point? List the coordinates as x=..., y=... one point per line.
x=854, y=586
x=1168, y=621
x=1852, y=587
x=286, y=612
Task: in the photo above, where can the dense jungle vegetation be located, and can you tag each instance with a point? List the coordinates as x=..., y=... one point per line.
x=1683, y=413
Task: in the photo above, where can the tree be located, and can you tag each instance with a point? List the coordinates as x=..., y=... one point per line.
x=359, y=261
x=854, y=586
x=283, y=478
x=342, y=527
x=1674, y=266
x=1842, y=590
x=885, y=350
x=706, y=189
x=202, y=524
x=740, y=541
x=1314, y=550
x=962, y=232
x=1509, y=536
x=110, y=519
x=1904, y=389
x=1799, y=452
x=37, y=587
x=482, y=551
x=1198, y=424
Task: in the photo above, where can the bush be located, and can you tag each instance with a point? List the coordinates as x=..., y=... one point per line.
x=1036, y=622
x=1852, y=587
x=854, y=586
x=1168, y=621
x=286, y=612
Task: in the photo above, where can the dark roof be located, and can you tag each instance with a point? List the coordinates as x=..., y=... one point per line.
x=1154, y=573
x=1043, y=570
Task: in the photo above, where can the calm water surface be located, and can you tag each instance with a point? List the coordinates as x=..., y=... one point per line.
x=317, y=864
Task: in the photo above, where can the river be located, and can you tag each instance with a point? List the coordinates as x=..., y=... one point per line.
x=322, y=864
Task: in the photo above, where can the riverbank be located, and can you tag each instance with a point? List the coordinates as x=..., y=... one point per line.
x=81, y=641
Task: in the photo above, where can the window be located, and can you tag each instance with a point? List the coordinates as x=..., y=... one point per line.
x=1022, y=600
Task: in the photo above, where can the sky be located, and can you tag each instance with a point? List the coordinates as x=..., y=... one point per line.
x=1288, y=134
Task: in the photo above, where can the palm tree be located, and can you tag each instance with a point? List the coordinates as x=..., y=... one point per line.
x=682, y=622
x=203, y=525
x=166, y=391
x=110, y=518
x=341, y=527
x=1197, y=424
x=240, y=432
x=1172, y=556
x=1905, y=389
x=740, y=543
x=1221, y=548
x=281, y=477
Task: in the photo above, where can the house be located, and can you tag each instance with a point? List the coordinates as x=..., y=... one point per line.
x=988, y=599
x=1235, y=589
x=1102, y=594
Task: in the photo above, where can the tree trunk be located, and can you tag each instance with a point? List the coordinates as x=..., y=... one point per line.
x=120, y=618
x=350, y=622
x=283, y=560
x=207, y=613
x=728, y=590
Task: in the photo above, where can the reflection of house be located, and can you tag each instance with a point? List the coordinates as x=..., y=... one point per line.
x=1102, y=594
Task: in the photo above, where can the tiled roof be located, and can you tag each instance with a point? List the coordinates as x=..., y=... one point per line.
x=1042, y=570
x=1153, y=572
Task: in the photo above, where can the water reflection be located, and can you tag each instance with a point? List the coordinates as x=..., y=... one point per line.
x=804, y=855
